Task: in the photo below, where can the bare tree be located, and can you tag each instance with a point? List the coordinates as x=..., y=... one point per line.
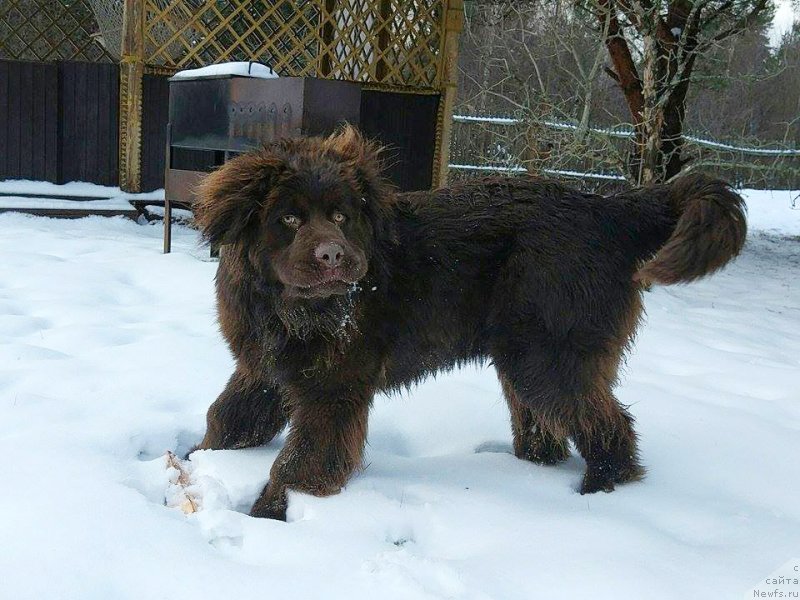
x=541, y=63
x=654, y=47
x=544, y=64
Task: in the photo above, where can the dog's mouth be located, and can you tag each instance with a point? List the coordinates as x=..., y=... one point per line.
x=320, y=290
x=330, y=283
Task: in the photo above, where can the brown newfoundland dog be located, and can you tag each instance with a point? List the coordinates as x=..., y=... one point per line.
x=332, y=287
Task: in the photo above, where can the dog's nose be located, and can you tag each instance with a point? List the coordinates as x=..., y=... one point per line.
x=330, y=254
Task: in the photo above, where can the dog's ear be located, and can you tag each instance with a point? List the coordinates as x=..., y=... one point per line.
x=351, y=145
x=359, y=154
x=362, y=159
x=229, y=198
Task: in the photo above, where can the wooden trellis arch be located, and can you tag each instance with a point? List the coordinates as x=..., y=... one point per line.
x=398, y=45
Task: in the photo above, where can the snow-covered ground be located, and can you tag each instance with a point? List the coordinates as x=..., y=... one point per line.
x=110, y=355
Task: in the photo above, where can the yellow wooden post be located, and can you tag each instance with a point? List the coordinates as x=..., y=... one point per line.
x=131, y=73
x=453, y=24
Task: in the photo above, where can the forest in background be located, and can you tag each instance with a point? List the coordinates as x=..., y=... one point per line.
x=545, y=62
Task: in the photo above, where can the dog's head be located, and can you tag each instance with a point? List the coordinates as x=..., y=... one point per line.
x=309, y=212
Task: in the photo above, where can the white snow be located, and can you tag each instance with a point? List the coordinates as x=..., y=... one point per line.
x=177, y=213
x=578, y=174
x=57, y=203
x=73, y=188
x=776, y=212
x=492, y=168
x=110, y=355
x=241, y=69
x=51, y=196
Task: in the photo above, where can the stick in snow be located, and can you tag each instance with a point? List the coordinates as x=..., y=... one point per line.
x=182, y=498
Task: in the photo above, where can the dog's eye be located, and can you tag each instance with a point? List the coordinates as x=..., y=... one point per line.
x=338, y=218
x=291, y=221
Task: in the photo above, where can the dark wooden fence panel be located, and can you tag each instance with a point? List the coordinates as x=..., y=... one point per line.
x=89, y=122
x=155, y=115
x=406, y=124
x=59, y=122
x=28, y=120
x=45, y=158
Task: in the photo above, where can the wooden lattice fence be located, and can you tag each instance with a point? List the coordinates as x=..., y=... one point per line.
x=390, y=42
x=49, y=30
x=405, y=46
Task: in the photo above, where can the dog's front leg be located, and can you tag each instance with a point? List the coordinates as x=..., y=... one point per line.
x=324, y=446
x=249, y=412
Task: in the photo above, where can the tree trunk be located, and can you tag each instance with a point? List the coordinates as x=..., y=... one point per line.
x=652, y=114
x=672, y=139
x=674, y=114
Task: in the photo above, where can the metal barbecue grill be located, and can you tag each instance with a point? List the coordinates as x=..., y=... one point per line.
x=214, y=118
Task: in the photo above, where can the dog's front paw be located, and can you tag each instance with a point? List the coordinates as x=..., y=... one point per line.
x=271, y=504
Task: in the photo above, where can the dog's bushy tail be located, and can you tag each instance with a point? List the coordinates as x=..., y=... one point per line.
x=703, y=229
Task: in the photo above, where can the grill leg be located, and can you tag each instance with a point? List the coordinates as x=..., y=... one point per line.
x=167, y=226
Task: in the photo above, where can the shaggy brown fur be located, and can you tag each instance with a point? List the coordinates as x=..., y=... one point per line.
x=331, y=288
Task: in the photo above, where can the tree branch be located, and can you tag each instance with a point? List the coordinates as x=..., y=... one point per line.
x=627, y=77
x=743, y=23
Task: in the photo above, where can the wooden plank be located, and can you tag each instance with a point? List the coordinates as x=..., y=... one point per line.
x=58, y=123
x=131, y=78
x=81, y=99
x=4, y=91
x=50, y=145
x=26, y=121
x=180, y=185
x=44, y=111
x=66, y=110
x=91, y=149
x=109, y=118
x=103, y=109
x=67, y=213
x=14, y=120
x=155, y=114
x=37, y=122
x=52, y=196
x=448, y=82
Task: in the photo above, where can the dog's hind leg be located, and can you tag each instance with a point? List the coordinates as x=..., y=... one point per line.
x=537, y=437
x=249, y=412
x=557, y=390
x=603, y=432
